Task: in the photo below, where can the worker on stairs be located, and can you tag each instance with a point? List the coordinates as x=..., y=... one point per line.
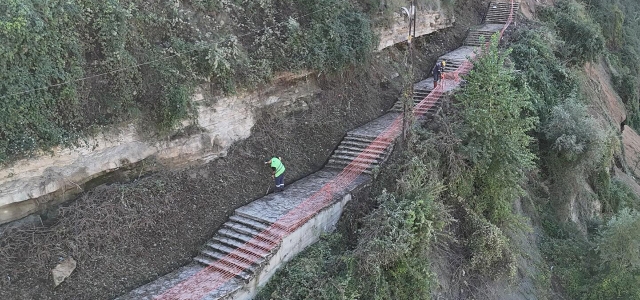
x=278, y=172
x=438, y=73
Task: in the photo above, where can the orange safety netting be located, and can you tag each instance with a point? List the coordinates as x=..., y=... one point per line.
x=220, y=272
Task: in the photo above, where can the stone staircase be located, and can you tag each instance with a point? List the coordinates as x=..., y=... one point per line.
x=419, y=93
x=261, y=256
x=480, y=35
x=498, y=12
x=359, y=139
x=237, y=232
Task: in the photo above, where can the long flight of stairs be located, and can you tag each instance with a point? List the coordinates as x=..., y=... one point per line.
x=419, y=93
x=359, y=139
x=351, y=147
x=497, y=15
x=248, y=229
x=238, y=231
x=498, y=12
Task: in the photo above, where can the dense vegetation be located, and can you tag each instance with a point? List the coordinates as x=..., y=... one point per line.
x=621, y=30
x=70, y=66
x=513, y=135
x=441, y=170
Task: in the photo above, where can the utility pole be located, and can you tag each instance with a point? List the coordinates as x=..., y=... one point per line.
x=407, y=101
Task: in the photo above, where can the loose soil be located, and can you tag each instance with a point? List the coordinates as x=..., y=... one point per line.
x=123, y=235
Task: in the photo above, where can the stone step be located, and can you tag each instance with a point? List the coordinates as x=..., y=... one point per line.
x=261, y=240
x=247, y=249
x=427, y=89
x=479, y=31
x=240, y=228
x=363, y=145
x=348, y=149
x=450, y=62
x=355, y=154
x=256, y=245
x=373, y=143
x=349, y=158
x=245, y=276
x=422, y=92
x=341, y=166
x=398, y=106
x=248, y=264
x=359, y=138
x=431, y=109
x=345, y=162
x=249, y=222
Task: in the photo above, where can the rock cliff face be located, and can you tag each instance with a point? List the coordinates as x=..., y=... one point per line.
x=30, y=185
x=426, y=23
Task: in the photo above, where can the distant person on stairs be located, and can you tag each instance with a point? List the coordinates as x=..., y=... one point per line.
x=278, y=172
x=438, y=72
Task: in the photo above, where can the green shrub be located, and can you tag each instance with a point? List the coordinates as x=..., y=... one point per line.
x=583, y=37
x=619, y=245
x=491, y=253
x=140, y=58
x=572, y=132
x=496, y=140
x=549, y=80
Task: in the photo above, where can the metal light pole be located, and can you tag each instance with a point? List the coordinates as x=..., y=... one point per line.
x=407, y=103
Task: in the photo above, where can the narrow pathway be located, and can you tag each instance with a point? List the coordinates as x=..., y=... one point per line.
x=264, y=234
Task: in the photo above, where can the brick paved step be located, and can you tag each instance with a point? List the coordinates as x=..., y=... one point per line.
x=368, y=169
x=359, y=138
x=225, y=248
x=429, y=110
x=240, y=228
x=258, y=247
x=247, y=256
x=348, y=148
x=264, y=240
x=398, y=104
x=249, y=265
x=249, y=222
x=350, y=158
x=347, y=160
x=362, y=145
x=498, y=12
x=245, y=276
x=354, y=154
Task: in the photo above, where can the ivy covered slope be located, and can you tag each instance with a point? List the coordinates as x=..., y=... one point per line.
x=69, y=67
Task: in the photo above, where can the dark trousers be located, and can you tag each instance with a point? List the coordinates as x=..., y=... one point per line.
x=280, y=183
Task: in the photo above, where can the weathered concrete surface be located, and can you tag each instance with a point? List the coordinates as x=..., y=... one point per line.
x=375, y=127
x=269, y=209
x=272, y=207
x=448, y=84
x=427, y=21
x=456, y=57
x=163, y=283
x=222, y=120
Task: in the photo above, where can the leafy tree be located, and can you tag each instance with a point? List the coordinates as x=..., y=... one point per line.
x=496, y=142
x=571, y=131
x=619, y=248
x=583, y=36
x=619, y=244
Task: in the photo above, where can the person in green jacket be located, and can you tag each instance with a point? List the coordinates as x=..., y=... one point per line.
x=278, y=172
